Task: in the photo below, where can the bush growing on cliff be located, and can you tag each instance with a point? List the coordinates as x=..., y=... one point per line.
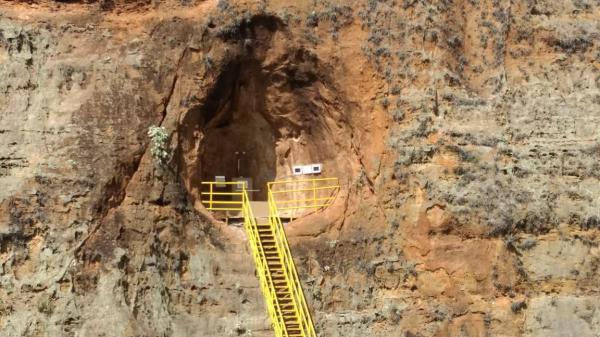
x=44, y=305
x=106, y=5
x=158, y=136
x=223, y=5
x=312, y=20
x=516, y=307
x=208, y=63
x=398, y=115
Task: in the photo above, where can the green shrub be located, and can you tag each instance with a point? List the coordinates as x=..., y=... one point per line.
x=398, y=115
x=159, y=150
x=385, y=102
x=312, y=20
x=516, y=307
x=223, y=5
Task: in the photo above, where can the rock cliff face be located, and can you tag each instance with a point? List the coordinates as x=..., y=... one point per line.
x=465, y=135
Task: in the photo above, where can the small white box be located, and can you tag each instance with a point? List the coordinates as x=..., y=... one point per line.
x=307, y=169
x=220, y=179
x=311, y=169
x=297, y=170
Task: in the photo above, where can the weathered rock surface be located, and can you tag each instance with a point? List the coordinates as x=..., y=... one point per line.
x=465, y=134
x=563, y=316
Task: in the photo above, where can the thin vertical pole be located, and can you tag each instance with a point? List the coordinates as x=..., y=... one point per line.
x=245, y=194
x=314, y=186
x=210, y=200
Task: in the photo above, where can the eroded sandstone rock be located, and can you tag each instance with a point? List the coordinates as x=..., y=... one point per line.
x=465, y=136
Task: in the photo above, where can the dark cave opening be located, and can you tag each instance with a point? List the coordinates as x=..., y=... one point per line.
x=238, y=140
x=269, y=108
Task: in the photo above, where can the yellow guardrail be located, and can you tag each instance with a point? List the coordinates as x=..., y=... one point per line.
x=215, y=203
x=300, y=194
x=215, y=198
x=267, y=285
x=291, y=274
x=286, y=304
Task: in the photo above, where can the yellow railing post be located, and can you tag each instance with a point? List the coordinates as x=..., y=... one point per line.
x=210, y=196
x=314, y=186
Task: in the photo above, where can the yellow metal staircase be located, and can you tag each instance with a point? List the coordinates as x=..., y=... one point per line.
x=279, y=281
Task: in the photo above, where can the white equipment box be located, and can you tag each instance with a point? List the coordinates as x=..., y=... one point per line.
x=307, y=169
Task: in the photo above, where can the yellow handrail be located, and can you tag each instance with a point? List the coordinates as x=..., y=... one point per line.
x=291, y=275
x=266, y=281
x=302, y=194
x=213, y=204
x=274, y=238
x=307, y=189
x=289, y=181
x=303, y=200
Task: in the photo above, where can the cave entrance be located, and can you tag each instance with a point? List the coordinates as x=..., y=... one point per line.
x=239, y=142
x=241, y=146
x=267, y=111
